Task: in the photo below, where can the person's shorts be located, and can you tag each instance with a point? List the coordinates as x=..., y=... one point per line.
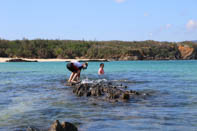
x=71, y=68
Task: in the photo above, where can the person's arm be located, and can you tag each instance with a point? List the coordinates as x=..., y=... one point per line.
x=99, y=71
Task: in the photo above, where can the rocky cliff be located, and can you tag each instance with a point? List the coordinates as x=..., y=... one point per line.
x=187, y=52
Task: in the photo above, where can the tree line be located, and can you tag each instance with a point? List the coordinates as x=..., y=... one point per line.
x=70, y=49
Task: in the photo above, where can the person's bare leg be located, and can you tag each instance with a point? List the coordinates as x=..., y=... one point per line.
x=78, y=76
x=71, y=77
x=74, y=78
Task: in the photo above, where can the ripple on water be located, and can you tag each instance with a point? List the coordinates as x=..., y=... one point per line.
x=37, y=97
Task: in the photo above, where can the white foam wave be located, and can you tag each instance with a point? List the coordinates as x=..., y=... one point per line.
x=85, y=81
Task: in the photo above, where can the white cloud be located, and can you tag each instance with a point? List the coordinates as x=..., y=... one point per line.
x=120, y=1
x=191, y=25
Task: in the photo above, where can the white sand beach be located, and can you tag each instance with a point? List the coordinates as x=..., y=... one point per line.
x=2, y=59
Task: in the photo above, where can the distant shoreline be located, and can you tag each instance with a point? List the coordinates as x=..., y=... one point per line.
x=96, y=50
x=6, y=59
x=2, y=60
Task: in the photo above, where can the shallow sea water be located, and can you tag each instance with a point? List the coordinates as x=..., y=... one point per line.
x=34, y=94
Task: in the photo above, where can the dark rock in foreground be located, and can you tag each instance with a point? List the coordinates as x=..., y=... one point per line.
x=65, y=126
x=57, y=126
x=19, y=60
x=105, y=91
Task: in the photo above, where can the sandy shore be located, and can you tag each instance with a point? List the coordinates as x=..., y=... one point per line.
x=50, y=60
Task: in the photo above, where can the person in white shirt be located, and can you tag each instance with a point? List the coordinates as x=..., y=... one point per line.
x=75, y=67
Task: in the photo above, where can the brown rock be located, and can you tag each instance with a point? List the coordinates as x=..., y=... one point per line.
x=56, y=126
x=125, y=96
x=104, y=91
x=65, y=126
x=68, y=127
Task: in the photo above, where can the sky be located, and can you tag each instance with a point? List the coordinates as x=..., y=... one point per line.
x=125, y=20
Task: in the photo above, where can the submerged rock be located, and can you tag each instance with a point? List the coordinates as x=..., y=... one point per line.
x=105, y=91
x=32, y=129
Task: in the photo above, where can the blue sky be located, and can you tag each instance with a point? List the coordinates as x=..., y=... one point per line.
x=127, y=20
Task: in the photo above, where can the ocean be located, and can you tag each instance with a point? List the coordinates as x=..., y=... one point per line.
x=35, y=94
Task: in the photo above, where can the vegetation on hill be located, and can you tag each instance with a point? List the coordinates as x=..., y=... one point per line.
x=115, y=50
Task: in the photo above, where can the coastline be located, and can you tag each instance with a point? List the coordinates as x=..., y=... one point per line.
x=5, y=59
x=19, y=59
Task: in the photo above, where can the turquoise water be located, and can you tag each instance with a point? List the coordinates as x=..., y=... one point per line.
x=34, y=94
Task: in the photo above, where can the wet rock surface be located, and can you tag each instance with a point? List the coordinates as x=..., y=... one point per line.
x=105, y=91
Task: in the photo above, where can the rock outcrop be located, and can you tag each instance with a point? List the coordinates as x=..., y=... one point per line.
x=19, y=60
x=186, y=52
x=104, y=91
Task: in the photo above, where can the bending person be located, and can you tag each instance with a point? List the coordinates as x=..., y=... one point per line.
x=75, y=67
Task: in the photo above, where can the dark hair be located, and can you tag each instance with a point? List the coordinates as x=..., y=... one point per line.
x=101, y=64
x=86, y=65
